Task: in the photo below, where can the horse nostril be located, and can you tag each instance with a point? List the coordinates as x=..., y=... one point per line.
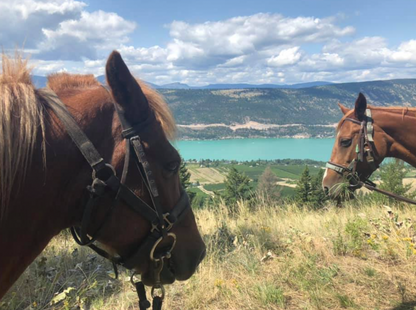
x=326, y=190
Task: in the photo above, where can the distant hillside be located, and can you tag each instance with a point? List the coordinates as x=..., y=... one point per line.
x=40, y=81
x=306, y=112
x=244, y=110
x=251, y=86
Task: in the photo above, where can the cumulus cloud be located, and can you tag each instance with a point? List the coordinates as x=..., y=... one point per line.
x=260, y=48
x=214, y=43
x=61, y=29
x=22, y=21
x=77, y=39
x=406, y=53
x=286, y=57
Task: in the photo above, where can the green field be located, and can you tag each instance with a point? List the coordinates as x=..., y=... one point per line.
x=281, y=171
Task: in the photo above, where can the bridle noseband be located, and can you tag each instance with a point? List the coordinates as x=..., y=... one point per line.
x=364, y=150
x=107, y=185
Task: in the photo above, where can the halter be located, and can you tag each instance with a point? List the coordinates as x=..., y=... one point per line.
x=364, y=150
x=106, y=184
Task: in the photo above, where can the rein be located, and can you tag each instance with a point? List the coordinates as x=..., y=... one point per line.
x=105, y=184
x=364, y=150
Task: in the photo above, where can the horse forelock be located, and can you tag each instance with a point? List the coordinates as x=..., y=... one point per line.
x=21, y=116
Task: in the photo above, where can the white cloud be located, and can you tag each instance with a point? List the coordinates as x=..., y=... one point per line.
x=406, y=53
x=22, y=21
x=76, y=39
x=260, y=48
x=61, y=29
x=286, y=57
x=214, y=43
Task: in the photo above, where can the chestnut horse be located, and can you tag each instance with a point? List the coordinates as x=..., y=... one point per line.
x=43, y=175
x=365, y=136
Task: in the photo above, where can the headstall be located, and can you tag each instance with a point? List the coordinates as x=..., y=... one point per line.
x=364, y=151
x=105, y=184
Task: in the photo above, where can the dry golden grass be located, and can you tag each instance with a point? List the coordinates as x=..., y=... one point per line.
x=270, y=257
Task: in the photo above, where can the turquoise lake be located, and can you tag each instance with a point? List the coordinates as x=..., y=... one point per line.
x=253, y=149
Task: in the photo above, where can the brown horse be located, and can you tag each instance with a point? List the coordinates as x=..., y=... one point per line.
x=43, y=174
x=365, y=136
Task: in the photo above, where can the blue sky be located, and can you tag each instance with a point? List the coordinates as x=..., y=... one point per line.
x=202, y=42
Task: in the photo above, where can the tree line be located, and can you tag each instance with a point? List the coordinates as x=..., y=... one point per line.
x=308, y=190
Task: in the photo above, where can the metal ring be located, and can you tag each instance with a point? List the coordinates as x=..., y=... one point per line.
x=159, y=287
x=94, y=172
x=167, y=254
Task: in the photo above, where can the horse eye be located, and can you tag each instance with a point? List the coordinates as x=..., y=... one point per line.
x=346, y=142
x=172, y=166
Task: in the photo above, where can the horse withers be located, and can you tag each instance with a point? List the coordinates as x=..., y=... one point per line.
x=365, y=136
x=47, y=184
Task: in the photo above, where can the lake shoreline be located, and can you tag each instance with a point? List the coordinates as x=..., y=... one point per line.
x=298, y=137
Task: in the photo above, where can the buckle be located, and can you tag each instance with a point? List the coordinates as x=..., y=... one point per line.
x=169, y=220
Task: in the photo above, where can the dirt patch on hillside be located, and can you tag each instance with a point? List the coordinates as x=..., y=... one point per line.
x=206, y=175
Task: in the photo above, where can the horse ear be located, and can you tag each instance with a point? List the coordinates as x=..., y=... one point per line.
x=360, y=106
x=125, y=89
x=343, y=108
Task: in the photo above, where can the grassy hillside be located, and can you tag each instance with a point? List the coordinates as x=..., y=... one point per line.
x=307, y=106
x=270, y=257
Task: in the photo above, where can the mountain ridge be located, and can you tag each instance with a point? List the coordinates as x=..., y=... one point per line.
x=274, y=112
x=40, y=81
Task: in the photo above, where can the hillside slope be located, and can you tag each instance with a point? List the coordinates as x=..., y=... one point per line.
x=303, y=112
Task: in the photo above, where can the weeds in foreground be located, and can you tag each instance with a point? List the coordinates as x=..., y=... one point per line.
x=263, y=256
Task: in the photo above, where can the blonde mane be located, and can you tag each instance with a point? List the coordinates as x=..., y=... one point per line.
x=161, y=109
x=21, y=116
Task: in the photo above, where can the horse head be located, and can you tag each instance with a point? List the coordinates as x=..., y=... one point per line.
x=133, y=203
x=360, y=146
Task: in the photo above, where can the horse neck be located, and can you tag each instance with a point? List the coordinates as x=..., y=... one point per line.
x=49, y=200
x=399, y=126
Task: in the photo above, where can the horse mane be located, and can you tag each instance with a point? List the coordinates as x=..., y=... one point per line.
x=21, y=116
x=59, y=82
x=402, y=110
x=161, y=109
x=63, y=81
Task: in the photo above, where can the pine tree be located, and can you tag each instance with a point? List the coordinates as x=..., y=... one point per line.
x=303, y=187
x=184, y=175
x=237, y=187
x=317, y=196
x=392, y=175
x=267, y=184
x=185, y=178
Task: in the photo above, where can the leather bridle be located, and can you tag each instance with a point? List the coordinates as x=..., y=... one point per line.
x=106, y=184
x=364, y=151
